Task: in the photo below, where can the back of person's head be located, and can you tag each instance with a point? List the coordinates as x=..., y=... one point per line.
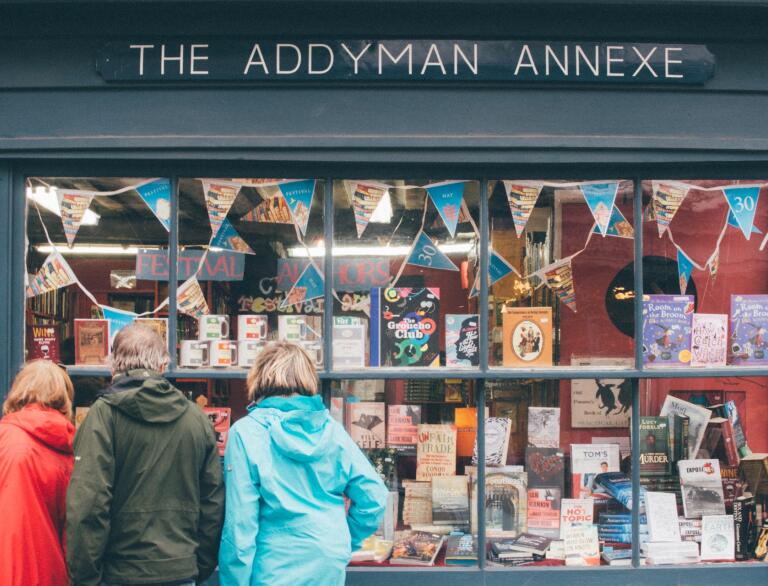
x=138, y=347
x=282, y=369
x=43, y=383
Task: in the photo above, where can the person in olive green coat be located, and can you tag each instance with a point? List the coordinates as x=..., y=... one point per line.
x=145, y=504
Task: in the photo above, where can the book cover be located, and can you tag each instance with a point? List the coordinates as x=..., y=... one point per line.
x=462, y=340
x=709, y=339
x=497, y=430
x=587, y=461
x=366, y=424
x=742, y=511
x=749, y=321
x=43, y=343
x=506, y=501
x=466, y=430
x=461, y=550
x=450, y=500
x=544, y=427
x=698, y=417
x=417, y=506
x=221, y=419
x=739, y=437
x=546, y=468
x=654, y=446
x=600, y=403
x=717, y=538
x=91, y=341
x=435, y=451
x=582, y=547
x=661, y=510
x=576, y=512
x=667, y=321
x=527, y=336
x=719, y=442
x=754, y=470
x=159, y=324
x=402, y=426
x=416, y=548
x=544, y=511
x=348, y=345
x=530, y=543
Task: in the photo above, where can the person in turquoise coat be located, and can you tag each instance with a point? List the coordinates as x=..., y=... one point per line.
x=288, y=468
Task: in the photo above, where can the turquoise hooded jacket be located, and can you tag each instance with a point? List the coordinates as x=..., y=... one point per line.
x=288, y=466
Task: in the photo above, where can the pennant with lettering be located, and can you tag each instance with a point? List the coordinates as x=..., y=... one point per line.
x=619, y=226
x=157, y=196
x=666, y=200
x=190, y=299
x=684, y=270
x=228, y=239
x=733, y=222
x=425, y=253
x=600, y=198
x=53, y=274
x=498, y=268
x=298, y=195
x=117, y=319
x=447, y=199
x=365, y=200
x=743, y=204
x=72, y=206
x=522, y=199
x=559, y=278
x=308, y=286
x=271, y=211
x=219, y=197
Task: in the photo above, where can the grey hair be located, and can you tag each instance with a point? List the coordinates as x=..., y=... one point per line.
x=138, y=347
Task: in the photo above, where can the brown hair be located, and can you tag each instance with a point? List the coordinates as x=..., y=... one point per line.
x=44, y=383
x=281, y=369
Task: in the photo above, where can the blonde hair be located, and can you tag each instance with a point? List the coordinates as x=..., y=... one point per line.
x=281, y=369
x=138, y=347
x=43, y=383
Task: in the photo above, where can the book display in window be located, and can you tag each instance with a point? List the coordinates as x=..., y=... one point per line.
x=367, y=424
x=527, y=335
x=748, y=342
x=667, y=321
x=91, y=341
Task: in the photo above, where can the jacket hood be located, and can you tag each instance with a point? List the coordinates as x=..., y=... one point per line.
x=46, y=425
x=302, y=429
x=146, y=396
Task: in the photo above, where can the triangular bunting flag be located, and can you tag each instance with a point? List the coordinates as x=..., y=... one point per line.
x=117, y=319
x=714, y=264
x=73, y=205
x=228, y=239
x=365, y=200
x=522, y=199
x=190, y=299
x=666, y=200
x=684, y=270
x=743, y=204
x=271, y=211
x=308, y=286
x=498, y=268
x=425, y=253
x=559, y=278
x=219, y=197
x=157, y=196
x=600, y=198
x=649, y=214
x=619, y=226
x=447, y=199
x=732, y=221
x=53, y=274
x=298, y=195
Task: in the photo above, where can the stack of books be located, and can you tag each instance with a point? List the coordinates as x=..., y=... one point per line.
x=524, y=548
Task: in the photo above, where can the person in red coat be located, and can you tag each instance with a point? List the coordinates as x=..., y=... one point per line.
x=36, y=460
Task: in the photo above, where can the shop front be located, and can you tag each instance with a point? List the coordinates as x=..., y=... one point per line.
x=522, y=223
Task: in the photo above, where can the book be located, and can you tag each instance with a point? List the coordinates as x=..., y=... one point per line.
x=527, y=336
x=701, y=488
x=576, y=512
x=618, y=486
x=466, y=430
x=666, y=553
x=739, y=437
x=604, y=402
x=159, y=324
x=754, y=470
x=654, y=446
x=417, y=505
x=678, y=437
x=546, y=468
x=719, y=441
x=698, y=417
x=748, y=343
x=544, y=511
x=529, y=543
x=366, y=424
x=690, y=529
x=497, y=432
x=402, y=426
x=667, y=321
x=582, y=547
x=43, y=343
x=461, y=550
x=450, y=500
x=661, y=510
x=717, y=538
x=373, y=549
x=348, y=345
x=506, y=502
x=544, y=427
x=435, y=451
x=91, y=341
x=404, y=327
x=619, y=557
x=462, y=340
x=587, y=461
x=709, y=339
x=221, y=419
x=416, y=548
x=742, y=512
x=503, y=550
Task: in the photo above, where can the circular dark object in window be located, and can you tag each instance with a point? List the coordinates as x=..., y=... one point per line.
x=659, y=278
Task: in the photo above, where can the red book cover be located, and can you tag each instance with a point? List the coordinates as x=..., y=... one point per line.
x=220, y=418
x=731, y=453
x=91, y=341
x=43, y=343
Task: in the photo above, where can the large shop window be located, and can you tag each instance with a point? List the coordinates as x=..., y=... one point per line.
x=505, y=432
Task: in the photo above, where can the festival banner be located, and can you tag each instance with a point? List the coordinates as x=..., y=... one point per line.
x=600, y=198
x=227, y=238
x=667, y=199
x=298, y=195
x=190, y=299
x=619, y=226
x=365, y=200
x=425, y=253
x=732, y=221
x=743, y=203
x=447, y=199
x=157, y=196
x=522, y=199
x=308, y=286
x=53, y=274
x=219, y=197
x=117, y=319
x=559, y=278
x=72, y=206
x=684, y=270
x=273, y=210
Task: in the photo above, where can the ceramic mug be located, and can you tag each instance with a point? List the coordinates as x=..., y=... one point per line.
x=194, y=354
x=252, y=327
x=223, y=353
x=247, y=351
x=213, y=327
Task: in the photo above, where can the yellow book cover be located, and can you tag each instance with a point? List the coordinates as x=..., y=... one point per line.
x=527, y=335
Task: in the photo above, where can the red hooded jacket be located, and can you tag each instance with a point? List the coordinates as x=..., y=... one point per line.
x=35, y=466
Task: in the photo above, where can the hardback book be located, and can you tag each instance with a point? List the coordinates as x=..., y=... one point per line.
x=576, y=512
x=719, y=441
x=546, y=468
x=668, y=553
x=417, y=506
x=417, y=548
x=402, y=426
x=527, y=336
x=544, y=511
x=404, y=327
x=450, y=500
x=698, y=417
x=497, y=431
x=366, y=424
x=661, y=510
x=690, y=529
x=742, y=513
x=466, y=430
x=544, y=427
x=754, y=470
x=435, y=451
x=619, y=557
x=701, y=487
x=654, y=446
x=159, y=324
x=462, y=340
x=582, y=547
x=667, y=321
x=739, y=437
x=43, y=343
x=709, y=339
x=618, y=486
x=461, y=550
x=506, y=502
x=530, y=543
x=221, y=419
x=717, y=538
x=91, y=341
x=587, y=461
x=678, y=437
x=349, y=345
x=748, y=343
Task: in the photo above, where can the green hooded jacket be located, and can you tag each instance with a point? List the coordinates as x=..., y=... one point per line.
x=146, y=500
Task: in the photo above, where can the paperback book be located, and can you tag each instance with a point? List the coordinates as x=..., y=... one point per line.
x=506, y=502
x=450, y=500
x=403, y=426
x=709, y=339
x=43, y=343
x=698, y=417
x=702, y=488
x=576, y=512
x=366, y=424
x=461, y=550
x=667, y=321
x=435, y=451
x=544, y=511
x=661, y=510
x=587, y=461
x=717, y=538
x=546, y=468
x=417, y=548
x=462, y=341
x=527, y=336
x=221, y=419
x=348, y=344
x=91, y=341
x=749, y=322
x=582, y=546
x=544, y=427
x=497, y=431
x=654, y=446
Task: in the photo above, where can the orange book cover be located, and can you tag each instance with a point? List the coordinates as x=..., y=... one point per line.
x=527, y=335
x=466, y=430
